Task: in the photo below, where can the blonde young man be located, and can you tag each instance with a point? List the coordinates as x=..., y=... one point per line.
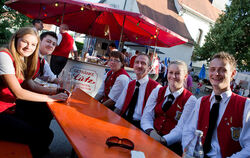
x=223, y=116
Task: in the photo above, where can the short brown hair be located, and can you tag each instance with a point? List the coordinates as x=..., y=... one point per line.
x=225, y=56
x=117, y=54
x=149, y=59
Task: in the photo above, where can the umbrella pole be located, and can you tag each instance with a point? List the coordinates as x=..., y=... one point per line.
x=155, y=46
x=63, y=13
x=124, y=18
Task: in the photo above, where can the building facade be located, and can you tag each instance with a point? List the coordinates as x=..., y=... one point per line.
x=190, y=19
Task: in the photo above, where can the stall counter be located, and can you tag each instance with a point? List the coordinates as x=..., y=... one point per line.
x=89, y=76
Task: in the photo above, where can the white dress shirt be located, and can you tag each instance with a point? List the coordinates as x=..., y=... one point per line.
x=48, y=75
x=139, y=105
x=147, y=120
x=120, y=83
x=244, y=139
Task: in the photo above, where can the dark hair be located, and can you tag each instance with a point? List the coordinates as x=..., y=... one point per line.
x=149, y=59
x=124, y=50
x=36, y=21
x=112, y=45
x=48, y=33
x=117, y=54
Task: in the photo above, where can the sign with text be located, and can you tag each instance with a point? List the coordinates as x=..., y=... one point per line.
x=86, y=79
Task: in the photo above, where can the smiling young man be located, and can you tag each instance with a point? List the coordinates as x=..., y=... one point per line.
x=130, y=105
x=223, y=116
x=168, y=108
x=47, y=46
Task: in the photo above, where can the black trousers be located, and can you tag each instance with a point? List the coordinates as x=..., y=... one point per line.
x=177, y=148
x=28, y=125
x=57, y=63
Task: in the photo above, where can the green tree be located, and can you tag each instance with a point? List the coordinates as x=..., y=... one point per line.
x=231, y=33
x=10, y=21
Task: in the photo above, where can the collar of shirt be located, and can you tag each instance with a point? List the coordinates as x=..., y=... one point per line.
x=40, y=55
x=143, y=80
x=175, y=94
x=225, y=97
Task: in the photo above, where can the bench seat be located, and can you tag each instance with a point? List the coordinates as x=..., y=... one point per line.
x=14, y=150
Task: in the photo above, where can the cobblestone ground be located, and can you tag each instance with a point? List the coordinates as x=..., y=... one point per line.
x=60, y=146
x=202, y=91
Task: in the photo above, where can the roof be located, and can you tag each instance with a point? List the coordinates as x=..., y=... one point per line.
x=204, y=7
x=164, y=12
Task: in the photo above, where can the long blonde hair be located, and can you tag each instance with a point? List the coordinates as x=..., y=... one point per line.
x=27, y=68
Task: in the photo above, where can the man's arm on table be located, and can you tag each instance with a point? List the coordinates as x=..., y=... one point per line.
x=147, y=120
x=35, y=87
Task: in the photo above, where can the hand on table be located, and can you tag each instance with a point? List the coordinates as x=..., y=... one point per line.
x=60, y=97
x=155, y=135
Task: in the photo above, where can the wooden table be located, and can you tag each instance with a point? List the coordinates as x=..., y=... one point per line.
x=88, y=123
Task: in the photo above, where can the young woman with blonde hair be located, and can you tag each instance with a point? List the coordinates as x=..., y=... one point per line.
x=19, y=63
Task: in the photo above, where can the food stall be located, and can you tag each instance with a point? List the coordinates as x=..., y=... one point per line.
x=89, y=75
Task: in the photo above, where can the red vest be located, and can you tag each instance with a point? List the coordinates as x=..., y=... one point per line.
x=228, y=131
x=65, y=46
x=40, y=68
x=165, y=121
x=131, y=88
x=110, y=81
x=7, y=99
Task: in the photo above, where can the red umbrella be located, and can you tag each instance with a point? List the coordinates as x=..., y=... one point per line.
x=99, y=20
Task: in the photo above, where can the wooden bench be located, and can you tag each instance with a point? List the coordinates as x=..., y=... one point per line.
x=14, y=150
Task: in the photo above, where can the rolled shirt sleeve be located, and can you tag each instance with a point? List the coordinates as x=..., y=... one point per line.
x=120, y=83
x=147, y=120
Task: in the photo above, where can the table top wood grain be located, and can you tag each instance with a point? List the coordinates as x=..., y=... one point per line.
x=88, y=123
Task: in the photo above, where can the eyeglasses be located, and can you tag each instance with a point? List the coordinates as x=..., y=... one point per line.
x=116, y=141
x=114, y=60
